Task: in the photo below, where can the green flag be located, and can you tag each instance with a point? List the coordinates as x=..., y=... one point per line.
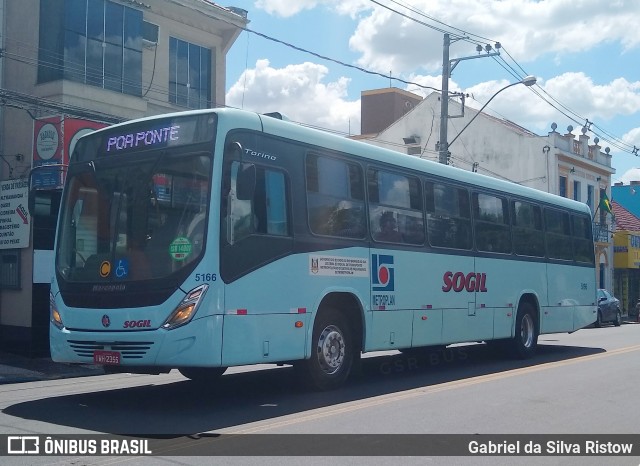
x=605, y=203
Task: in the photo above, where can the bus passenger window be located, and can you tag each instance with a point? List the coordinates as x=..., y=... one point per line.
x=448, y=216
x=491, y=220
x=582, y=239
x=335, y=197
x=265, y=213
x=558, y=234
x=395, y=206
x=528, y=234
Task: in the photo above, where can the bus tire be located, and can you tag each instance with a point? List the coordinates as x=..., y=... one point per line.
x=202, y=374
x=525, y=341
x=332, y=352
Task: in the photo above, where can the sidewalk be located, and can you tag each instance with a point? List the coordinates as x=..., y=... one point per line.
x=16, y=368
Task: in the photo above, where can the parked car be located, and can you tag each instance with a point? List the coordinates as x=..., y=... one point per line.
x=608, y=309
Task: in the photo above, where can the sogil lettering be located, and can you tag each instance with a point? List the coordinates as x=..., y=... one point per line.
x=459, y=281
x=136, y=323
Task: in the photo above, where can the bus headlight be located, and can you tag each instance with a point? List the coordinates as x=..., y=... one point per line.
x=186, y=309
x=54, y=314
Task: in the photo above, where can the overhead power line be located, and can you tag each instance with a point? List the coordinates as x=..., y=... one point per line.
x=341, y=63
x=536, y=89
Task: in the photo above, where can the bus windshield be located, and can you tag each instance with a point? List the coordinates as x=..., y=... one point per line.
x=137, y=220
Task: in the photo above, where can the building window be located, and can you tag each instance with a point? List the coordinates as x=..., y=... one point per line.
x=95, y=42
x=189, y=74
x=576, y=190
x=562, y=186
x=590, y=192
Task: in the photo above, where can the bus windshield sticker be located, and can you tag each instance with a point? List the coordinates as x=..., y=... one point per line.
x=335, y=266
x=180, y=248
x=105, y=269
x=122, y=270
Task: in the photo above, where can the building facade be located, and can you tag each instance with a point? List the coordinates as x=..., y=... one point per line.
x=71, y=66
x=627, y=244
x=561, y=164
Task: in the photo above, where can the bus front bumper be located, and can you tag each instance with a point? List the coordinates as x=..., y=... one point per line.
x=198, y=343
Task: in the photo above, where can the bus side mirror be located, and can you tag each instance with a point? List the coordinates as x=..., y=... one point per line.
x=246, y=181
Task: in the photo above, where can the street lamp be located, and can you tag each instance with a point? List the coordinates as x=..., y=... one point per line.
x=527, y=81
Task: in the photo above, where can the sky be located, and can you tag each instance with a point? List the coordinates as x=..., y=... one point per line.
x=319, y=55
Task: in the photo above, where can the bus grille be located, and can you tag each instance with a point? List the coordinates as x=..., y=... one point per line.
x=127, y=349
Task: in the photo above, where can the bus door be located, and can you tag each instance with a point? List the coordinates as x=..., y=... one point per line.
x=453, y=265
x=462, y=320
x=494, y=272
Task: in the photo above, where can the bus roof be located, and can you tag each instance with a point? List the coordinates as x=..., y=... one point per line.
x=295, y=131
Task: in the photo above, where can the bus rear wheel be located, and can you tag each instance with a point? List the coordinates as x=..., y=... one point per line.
x=525, y=340
x=332, y=352
x=202, y=374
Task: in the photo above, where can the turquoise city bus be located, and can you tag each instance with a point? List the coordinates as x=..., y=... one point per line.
x=207, y=239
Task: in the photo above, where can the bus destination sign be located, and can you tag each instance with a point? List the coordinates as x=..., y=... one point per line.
x=144, y=139
x=147, y=135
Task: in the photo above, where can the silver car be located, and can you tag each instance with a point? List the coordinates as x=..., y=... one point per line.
x=608, y=309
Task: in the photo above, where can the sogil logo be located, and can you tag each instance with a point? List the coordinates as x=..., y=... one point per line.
x=382, y=272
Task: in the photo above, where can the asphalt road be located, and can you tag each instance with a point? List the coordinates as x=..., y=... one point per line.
x=583, y=383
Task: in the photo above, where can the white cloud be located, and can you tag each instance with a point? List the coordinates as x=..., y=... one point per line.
x=579, y=93
x=630, y=175
x=299, y=92
x=287, y=8
x=526, y=28
x=632, y=137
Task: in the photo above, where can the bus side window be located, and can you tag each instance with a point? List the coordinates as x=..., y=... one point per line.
x=263, y=210
x=395, y=207
x=448, y=216
x=491, y=219
x=335, y=197
x=558, y=234
x=582, y=239
x=528, y=234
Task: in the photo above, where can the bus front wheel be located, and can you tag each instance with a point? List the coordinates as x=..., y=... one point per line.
x=332, y=352
x=525, y=340
x=202, y=374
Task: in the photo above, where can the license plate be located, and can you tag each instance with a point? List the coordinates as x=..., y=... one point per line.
x=110, y=358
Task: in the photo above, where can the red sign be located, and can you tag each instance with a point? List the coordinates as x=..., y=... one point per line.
x=54, y=139
x=73, y=129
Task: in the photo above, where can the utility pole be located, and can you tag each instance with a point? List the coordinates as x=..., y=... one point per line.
x=447, y=67
x=443, y=149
